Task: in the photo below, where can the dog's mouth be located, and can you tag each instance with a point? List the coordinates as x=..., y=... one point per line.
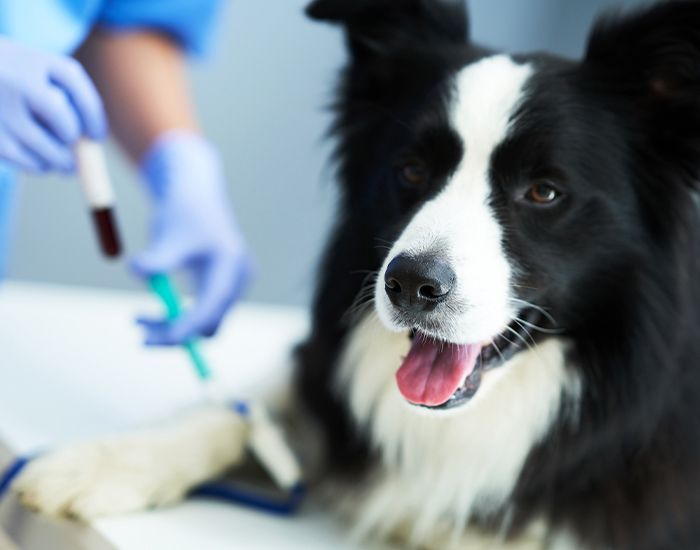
x=442, y=375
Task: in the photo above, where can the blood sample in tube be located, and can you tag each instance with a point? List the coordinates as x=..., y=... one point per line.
x=107, y=232
x=99, y=195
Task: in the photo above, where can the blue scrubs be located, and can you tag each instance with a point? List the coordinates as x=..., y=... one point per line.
x=60, y=26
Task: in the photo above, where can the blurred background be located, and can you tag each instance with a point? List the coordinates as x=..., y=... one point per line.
x=262, y=96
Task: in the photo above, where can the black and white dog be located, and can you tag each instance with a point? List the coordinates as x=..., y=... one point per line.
x=522, y=364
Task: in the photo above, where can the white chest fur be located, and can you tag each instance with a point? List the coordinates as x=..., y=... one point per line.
x=442, y=467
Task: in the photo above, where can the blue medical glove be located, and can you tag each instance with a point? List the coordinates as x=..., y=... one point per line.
x=193, y=228
x=46, y=103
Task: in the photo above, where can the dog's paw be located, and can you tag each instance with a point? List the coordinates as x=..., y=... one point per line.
x=133, y=472
x=95, y=479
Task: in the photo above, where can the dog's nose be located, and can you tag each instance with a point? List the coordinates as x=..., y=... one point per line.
x=418, y=283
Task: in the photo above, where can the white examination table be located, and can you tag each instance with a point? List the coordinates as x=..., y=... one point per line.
x=72, y=367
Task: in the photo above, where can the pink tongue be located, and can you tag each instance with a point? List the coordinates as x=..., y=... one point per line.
x=432, y=371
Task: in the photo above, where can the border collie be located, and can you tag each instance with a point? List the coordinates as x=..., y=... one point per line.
x=506, y=333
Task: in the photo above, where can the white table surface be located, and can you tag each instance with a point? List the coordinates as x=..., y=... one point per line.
x=72, y=367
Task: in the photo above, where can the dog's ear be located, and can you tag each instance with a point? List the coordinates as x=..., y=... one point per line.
x=376, y=27
x=657, y=48
x=650, y=60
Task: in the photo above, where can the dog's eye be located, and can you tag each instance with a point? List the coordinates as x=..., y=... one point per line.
x=542, y=192
x=414, y=174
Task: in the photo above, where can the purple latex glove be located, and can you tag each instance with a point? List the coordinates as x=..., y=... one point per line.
x=193, y=229
x=46, y=103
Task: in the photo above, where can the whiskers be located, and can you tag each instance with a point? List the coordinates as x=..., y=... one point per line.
x=530, y=344
x=498, y=351
x=383, y=244
x=525, y=324
x=364, y=299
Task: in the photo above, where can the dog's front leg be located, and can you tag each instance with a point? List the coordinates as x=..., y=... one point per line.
x=135, y=471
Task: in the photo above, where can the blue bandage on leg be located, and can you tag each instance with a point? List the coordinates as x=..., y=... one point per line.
x=284, y=506
x=268, y=446
x=11, y=473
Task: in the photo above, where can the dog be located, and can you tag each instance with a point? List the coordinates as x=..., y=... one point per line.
x=505, y=348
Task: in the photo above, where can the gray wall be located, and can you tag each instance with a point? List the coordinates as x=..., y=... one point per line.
x=261, y=98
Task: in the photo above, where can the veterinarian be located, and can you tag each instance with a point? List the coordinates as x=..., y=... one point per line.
x=131, y=71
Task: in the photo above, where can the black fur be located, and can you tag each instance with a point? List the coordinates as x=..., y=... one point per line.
x=616, y=261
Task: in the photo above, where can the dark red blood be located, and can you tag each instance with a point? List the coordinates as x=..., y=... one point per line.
x=106, y=226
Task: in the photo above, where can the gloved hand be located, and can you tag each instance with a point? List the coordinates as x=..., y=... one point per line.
x=46, y=103
x=193, y=228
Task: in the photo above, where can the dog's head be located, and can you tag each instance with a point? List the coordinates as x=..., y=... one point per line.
x=509, y=197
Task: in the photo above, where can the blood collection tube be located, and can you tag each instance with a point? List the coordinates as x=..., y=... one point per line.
x=97, y=188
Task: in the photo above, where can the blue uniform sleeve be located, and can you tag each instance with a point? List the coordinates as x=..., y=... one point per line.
x=8, y=190
x=189, y=22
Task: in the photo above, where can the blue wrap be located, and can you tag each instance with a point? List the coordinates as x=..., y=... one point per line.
x=188, y=21
x=8, y=188
x=61, y=25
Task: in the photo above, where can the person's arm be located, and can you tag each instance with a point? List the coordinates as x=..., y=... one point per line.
x=142, y=78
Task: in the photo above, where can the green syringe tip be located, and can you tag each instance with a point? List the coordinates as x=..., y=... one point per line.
x=164, y=288
x=198, y=361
